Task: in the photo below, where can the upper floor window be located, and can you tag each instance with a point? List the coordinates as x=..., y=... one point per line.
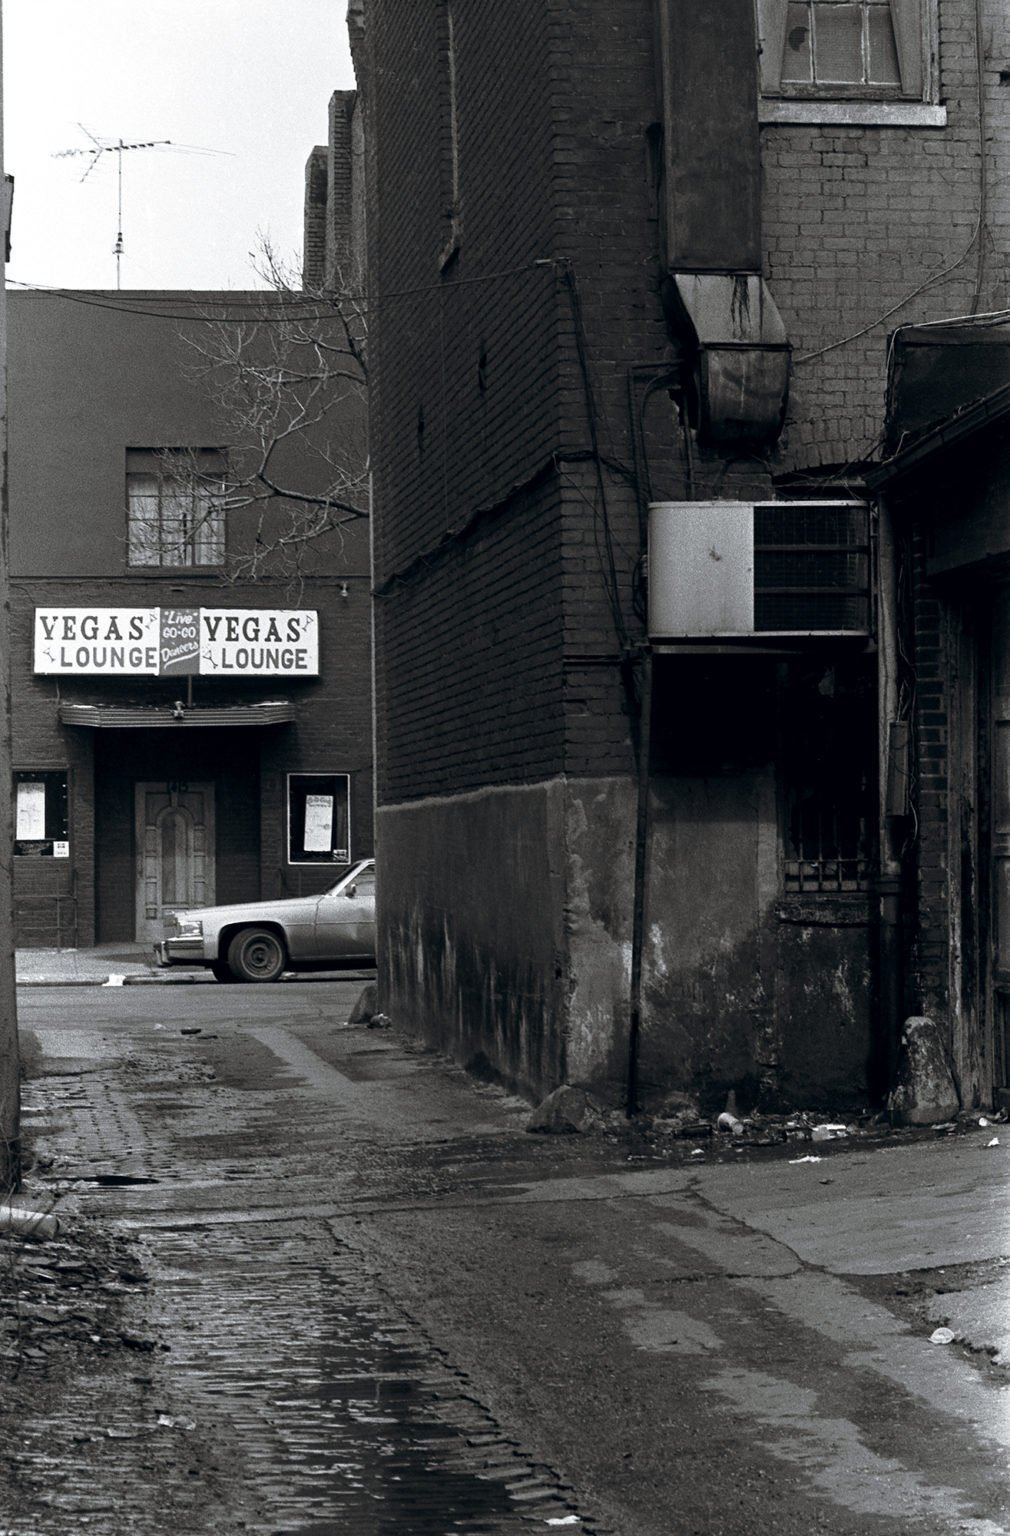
x=174, y=507
x=843, y=49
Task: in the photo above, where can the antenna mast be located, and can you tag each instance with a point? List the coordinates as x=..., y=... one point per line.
x=116, y=147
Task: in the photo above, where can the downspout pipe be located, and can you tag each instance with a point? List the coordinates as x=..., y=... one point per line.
x=889, y=946
x=641, y=876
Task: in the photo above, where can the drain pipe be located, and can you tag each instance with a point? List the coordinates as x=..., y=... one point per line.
x=892, y=747
x=645, y=664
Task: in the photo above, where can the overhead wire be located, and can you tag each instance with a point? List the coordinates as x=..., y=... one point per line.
x=100, y=298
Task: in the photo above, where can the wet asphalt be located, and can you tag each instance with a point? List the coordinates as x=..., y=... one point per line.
x=374, y=1302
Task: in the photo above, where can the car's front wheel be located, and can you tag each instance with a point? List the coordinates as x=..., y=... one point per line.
x=256, y=954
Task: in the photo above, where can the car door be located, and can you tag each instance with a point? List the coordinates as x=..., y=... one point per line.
x=345, y=922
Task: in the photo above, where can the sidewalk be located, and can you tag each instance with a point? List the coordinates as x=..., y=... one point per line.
x=106, y=965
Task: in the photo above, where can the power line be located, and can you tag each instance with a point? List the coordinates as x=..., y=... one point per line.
x=308, y=305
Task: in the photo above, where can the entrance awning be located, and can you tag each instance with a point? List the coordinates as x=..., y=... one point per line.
x=175, y=716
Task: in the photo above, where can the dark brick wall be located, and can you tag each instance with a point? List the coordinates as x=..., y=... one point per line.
x=493, y=376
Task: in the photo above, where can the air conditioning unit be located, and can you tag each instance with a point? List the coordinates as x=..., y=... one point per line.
x=730, y=569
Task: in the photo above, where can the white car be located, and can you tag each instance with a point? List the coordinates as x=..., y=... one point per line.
x=260, y=940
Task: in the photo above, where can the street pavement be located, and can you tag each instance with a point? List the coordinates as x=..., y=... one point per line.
x=371, y=1301
x=103, y=965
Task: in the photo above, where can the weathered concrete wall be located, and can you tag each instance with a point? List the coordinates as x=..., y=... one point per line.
x=827, y=1051
x=600, y=860
x=747, y=985
x=744, y=990
x=713, y=863
x=522, y=967
x=519, y=965
x=472, y=949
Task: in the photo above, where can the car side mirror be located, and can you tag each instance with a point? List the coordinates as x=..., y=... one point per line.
x=350, y=891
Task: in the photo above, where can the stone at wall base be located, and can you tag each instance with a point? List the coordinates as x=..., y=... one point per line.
x=924, y=1091
x=563, y=1113
x=364, y=1008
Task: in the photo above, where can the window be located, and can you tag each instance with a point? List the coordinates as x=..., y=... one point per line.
x=173, y=507
x=828, y=43
x=828, y=794
x=319, y=818
x=875, y=52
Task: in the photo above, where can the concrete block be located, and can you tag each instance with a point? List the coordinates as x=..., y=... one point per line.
x=924, y=1093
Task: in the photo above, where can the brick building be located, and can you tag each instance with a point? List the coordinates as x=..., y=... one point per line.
x=180, y=689
x=644, y=727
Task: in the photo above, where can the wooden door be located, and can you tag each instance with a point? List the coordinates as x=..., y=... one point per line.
x=175, y=851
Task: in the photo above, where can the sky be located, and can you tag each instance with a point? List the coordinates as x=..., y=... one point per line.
x=249, y=80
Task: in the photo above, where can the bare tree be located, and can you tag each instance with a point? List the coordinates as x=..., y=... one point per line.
x=288, y=383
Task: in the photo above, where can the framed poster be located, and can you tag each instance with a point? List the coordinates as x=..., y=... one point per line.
x=41, y=813
x=319, y=818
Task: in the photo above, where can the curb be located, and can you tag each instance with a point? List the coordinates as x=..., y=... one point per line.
x=100, y=981
x=184, y=979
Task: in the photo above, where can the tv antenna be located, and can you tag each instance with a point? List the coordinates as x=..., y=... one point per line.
x=104, y=146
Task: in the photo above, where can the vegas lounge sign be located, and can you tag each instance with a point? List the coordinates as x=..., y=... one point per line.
x=173, y=642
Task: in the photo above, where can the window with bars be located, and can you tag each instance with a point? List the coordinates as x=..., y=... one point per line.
x=828, y=782
x=174, y=510
x=839, y=48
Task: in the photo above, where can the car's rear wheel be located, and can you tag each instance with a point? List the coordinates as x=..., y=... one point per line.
x=256, y=954
x=221, y=971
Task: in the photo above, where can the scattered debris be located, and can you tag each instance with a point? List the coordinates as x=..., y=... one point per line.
x=728, y=1122
x=810, y=1158
x=829, y=1132
x=994, y=1142
x=114, y=981
x=942, y=1336
x=380, y=1021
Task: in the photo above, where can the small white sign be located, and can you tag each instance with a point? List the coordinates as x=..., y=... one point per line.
x=61, y=850
x=318, y=823
x=30, y=817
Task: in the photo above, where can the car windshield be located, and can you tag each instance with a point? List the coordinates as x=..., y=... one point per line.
x=363, y=877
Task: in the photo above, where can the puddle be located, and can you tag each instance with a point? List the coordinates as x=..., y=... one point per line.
x=116, y=1180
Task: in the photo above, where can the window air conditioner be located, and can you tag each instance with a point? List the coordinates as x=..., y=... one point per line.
x=729, y=569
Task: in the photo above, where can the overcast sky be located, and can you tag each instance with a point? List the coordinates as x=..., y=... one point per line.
x=249, y=79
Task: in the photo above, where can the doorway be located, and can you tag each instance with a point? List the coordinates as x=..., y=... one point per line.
x=175, y=851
